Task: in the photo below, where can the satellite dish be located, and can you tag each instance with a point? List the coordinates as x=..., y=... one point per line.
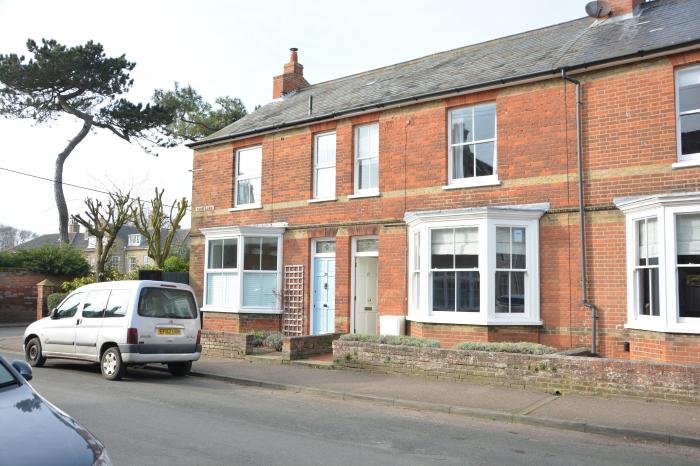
x=598, y=9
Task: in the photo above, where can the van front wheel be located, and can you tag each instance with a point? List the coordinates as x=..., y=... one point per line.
x=113, y=368
x=180, y=369
x=33, y=353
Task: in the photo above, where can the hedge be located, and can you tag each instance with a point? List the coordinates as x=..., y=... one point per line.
x=507, y=347
x=391, y=340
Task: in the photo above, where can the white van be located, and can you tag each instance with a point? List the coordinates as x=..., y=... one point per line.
x=121, y=323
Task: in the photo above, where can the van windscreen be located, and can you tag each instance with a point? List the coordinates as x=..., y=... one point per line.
x=167, y=303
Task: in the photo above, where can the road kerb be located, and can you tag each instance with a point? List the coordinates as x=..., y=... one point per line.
x=498, y=416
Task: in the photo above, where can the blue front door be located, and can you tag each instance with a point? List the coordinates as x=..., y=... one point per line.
x=323, y=319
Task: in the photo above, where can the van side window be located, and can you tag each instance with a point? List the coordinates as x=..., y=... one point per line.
x=118, y=302
x=95, y=304
x=69, y=306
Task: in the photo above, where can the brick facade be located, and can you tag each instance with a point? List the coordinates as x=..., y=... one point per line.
x=18, y=294
x=629, y=144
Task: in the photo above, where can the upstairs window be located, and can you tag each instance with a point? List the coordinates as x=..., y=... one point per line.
x=472, y=143
x=324, y=166
x=248, y=177
x=367, y=159
x=688, y=113
x=135, y=240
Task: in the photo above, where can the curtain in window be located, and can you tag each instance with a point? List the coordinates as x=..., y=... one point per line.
x=222, y=289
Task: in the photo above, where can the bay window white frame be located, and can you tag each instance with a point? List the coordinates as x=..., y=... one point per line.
x=238, y=178
x=364, y=192
x=240, y=234
x=486, y=219
x=665, y=207
x=321, y=166
x=472, y=181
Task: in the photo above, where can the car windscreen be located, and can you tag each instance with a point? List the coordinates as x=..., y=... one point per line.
x=167, y=303
x=6, y=377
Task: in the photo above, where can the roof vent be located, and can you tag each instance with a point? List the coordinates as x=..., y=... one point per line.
x=598, y=9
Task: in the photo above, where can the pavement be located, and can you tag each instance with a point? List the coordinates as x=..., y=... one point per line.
x=618, y=417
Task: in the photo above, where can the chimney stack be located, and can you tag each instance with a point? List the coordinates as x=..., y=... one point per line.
x=73, y=227
x=623, y=7
x=292, y=79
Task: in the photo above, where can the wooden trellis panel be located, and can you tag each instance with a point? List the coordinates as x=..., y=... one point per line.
x=293, y=317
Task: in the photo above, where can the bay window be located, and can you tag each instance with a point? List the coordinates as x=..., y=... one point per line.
x=663, y=262
x=243, y=269
x=476, y=266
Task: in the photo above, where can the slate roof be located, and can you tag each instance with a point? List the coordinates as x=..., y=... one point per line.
x=660, y=25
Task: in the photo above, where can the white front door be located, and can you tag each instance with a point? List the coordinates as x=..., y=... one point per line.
x=365, y=298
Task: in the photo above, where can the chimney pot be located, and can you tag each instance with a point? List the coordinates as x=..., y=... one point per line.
x=293, y=56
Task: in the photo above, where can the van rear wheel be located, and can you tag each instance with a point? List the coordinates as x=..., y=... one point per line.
x=33, y=353
x=111, y=364
x=180, y=369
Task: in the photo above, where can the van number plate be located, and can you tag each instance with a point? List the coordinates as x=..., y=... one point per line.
x=169, y=331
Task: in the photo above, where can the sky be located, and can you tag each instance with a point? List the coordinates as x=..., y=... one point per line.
x=222, y=48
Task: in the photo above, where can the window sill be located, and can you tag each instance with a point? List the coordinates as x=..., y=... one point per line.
x=675, y=328
x=474, y=318
x=245, y=207
x=326, y=199
x=685, y=164
x=476, y=182
x=363, y=195
x=243, y=310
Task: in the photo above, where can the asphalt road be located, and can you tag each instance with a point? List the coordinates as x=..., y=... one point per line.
x=152, y=418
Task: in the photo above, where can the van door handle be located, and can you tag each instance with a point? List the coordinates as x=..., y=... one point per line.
x=78, y=321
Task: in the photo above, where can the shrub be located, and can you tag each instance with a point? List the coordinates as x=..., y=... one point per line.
x=507, y=347
x=50, y=259
x=274, y=340
x=109, y=275
x=54, y=299
x=176, y=264
x=391, y=340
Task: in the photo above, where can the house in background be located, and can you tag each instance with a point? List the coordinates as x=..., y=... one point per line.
x=129, y=252
x=441, y=197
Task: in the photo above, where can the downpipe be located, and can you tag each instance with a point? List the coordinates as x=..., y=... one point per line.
x=582, y=213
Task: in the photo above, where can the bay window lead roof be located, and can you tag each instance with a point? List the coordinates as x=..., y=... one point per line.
x=660, y=25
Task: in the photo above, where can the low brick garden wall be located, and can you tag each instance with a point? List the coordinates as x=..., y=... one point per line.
x=550, y=373
x=220, y=344
x=308, y=345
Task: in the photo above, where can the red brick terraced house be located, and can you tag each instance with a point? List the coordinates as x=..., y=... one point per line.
x=441, y=197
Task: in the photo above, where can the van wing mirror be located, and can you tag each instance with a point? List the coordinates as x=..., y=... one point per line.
x=54, y=313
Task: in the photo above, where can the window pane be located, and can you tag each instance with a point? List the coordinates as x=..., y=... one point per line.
x=517, y=292
x=646, y=241
x=118, y=301
x=416, y=250
x=468, y=291
x=690, y=134
x=503, y=247
x=688, y=239
x=689, y=291
x=689, y=96
x=70, y=306
x=259, y=289
x=215, y=254
x=484, y=158
x=443, y=291
x=251, y=253
x=518, y=247
x=367, y=141
x=230, y=259
x=368, y=173
x=95, y=304
x=466, y=247
x=325, y=183
x=325, y=149
x=415, y=287
x=269, y=253
x=442, y=249
x=222, y=288
x=249, y=162
x=367, y=245
x=485, y=122
x=462, y=125
x=463, y=162
x=248, y=191
x=325, y=247
x=648, y=291
x=502, y=292
x=167, y=303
